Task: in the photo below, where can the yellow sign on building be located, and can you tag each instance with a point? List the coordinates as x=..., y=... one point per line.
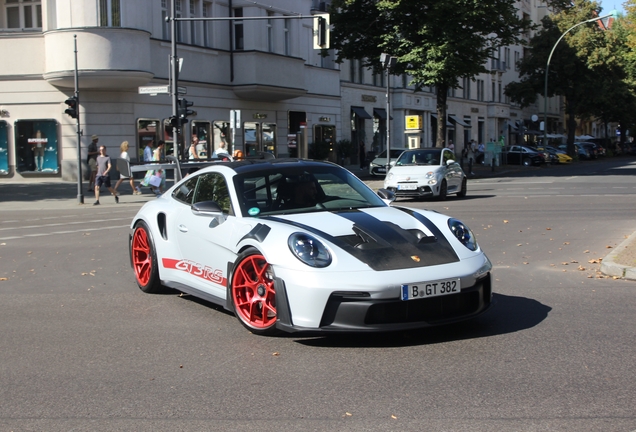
x=413, y=122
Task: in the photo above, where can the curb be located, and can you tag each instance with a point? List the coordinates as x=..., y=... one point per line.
x=612, y=268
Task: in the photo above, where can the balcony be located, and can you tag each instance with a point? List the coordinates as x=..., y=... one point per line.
x=261, y=76
x=108, y=58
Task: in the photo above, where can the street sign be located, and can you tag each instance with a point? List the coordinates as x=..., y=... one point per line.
x=154, y=90
x=235, y=119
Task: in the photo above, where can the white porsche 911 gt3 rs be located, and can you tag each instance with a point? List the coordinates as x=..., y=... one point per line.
x=298, y=245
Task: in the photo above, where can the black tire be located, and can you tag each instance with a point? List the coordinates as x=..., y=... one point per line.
x=252, y=295
x=443, y=191
x=144, y=260
x=463, y=190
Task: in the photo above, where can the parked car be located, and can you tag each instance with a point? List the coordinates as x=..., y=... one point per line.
x=426, y=172
x=522, y=155
x=547, y=155
x=582, y=152
x=305, y=246
x=590, y=147
x=378, y=165
x=561, y=156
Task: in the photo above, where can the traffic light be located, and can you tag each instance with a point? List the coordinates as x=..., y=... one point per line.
x=321, y=31
x=183, y=111
x=72, y=109
x=174, y=122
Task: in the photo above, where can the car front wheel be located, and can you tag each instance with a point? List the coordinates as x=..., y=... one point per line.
x=253, y=294
x=462, y=191
x=443, y=190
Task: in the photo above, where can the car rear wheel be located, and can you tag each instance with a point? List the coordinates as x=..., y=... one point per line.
x=443, y=191
x=462, y=191
x=144, y=260
x=253, y=294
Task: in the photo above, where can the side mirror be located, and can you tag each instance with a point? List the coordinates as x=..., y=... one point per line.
x=386, y=195
x=206, y=208
x=450, y=161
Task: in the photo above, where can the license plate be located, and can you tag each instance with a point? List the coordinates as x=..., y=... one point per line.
x=431, y=289
x=407, y=186
x=381, y=169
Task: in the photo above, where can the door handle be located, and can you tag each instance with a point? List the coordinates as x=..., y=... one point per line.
x=183, y=228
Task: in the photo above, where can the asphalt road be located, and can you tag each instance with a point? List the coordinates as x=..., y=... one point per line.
x=83, y=349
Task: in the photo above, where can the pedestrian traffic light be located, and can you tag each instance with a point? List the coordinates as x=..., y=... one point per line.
x=321, y=31
x=183, y=111
x=72, y=107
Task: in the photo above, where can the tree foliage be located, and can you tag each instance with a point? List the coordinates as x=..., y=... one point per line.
x=436, y=42
x=587, y=66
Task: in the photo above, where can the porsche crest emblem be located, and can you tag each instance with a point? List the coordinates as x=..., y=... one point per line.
x=415, y=258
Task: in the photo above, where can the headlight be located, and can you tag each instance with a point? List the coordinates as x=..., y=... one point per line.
x=463, y=234
x=430, y=175
x=309, y=250
x=389, y=176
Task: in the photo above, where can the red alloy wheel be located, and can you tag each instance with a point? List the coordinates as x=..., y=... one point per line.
x=253, y=293
x=141, y=256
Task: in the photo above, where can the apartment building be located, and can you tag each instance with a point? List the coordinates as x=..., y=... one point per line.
x=258, y=85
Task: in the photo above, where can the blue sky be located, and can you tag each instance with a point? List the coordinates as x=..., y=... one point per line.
x=609, y=5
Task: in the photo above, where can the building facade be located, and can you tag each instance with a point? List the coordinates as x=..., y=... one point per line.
x=257, y=85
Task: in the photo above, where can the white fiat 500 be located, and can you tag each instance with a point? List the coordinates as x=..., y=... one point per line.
x=303, y=246
x=426, y=172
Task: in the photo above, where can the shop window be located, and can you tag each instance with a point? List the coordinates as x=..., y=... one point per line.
x=36, y=146
x=171, y=148
x=146, y=132
x=325, y=135
x=201, y=129
x=251, y=138
x=4, y=148
x=222, y=133
x=269, y=138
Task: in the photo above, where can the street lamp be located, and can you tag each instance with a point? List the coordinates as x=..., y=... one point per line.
x=547, y=66
x=387, y=63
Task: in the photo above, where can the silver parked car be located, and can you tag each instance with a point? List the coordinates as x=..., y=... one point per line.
x=378, y=165
x=426, y=172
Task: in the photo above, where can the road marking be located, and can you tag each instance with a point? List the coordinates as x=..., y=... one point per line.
x=62, y=232
x=64, y=224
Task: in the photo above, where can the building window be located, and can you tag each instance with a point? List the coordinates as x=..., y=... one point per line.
x=193, y=24
x=24, y=14
x=466, y=88
x=517, y=58
x=360, y=73
x=4, y=148
x=507, y=57
x=207, y=25
x=179, y=25
x=493, y=92
x=287, y=38
x=480, y=90
x=109, y=13
x=239, y=42
x=270, y=33
x=165, y=29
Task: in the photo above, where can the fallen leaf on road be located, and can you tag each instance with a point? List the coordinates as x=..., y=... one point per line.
x=393, y=417
x=593, y=261
x=581, y=268
x=608, y=247
x=548, y=229
x=566, y=243
x=3, y=279
x=505, y=221
x=276, y=354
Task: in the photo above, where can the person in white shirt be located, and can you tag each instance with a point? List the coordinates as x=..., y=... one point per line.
x=124, y=155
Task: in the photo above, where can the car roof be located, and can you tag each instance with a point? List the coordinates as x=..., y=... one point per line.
x=247, y=166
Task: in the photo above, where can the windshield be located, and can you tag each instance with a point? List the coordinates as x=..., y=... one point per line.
x=420, y=157
x=310, y=188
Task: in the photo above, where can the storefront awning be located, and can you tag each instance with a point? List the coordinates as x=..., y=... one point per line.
x=360, y=112
x=449, y=124
x=380, y=113
x=458, y=120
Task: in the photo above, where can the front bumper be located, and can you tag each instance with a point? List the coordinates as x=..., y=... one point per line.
x=420, y=192
x=355, y=311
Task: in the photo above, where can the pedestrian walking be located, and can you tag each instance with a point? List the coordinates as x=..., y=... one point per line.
x=124, y=155
x=148, y=157
x=91, y=160
x=103, y=176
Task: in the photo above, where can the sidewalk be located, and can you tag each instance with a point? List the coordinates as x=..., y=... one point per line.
x=58, y=194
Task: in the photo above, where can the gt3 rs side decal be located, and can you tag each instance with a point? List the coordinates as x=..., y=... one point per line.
x=383, y=245
x=196, y=269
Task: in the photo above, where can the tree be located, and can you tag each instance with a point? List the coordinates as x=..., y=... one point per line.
x=436, y=42
x=581, y=68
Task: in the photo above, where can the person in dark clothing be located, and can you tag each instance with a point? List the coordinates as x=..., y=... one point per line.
x=362, y=150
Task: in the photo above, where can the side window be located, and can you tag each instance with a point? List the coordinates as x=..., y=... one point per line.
x=213, y=187
x=185, y=192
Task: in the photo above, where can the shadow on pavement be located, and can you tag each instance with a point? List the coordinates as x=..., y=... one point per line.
x=509, y=314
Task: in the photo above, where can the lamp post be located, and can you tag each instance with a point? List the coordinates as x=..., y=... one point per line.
x=387, y=63
x=547, y=67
